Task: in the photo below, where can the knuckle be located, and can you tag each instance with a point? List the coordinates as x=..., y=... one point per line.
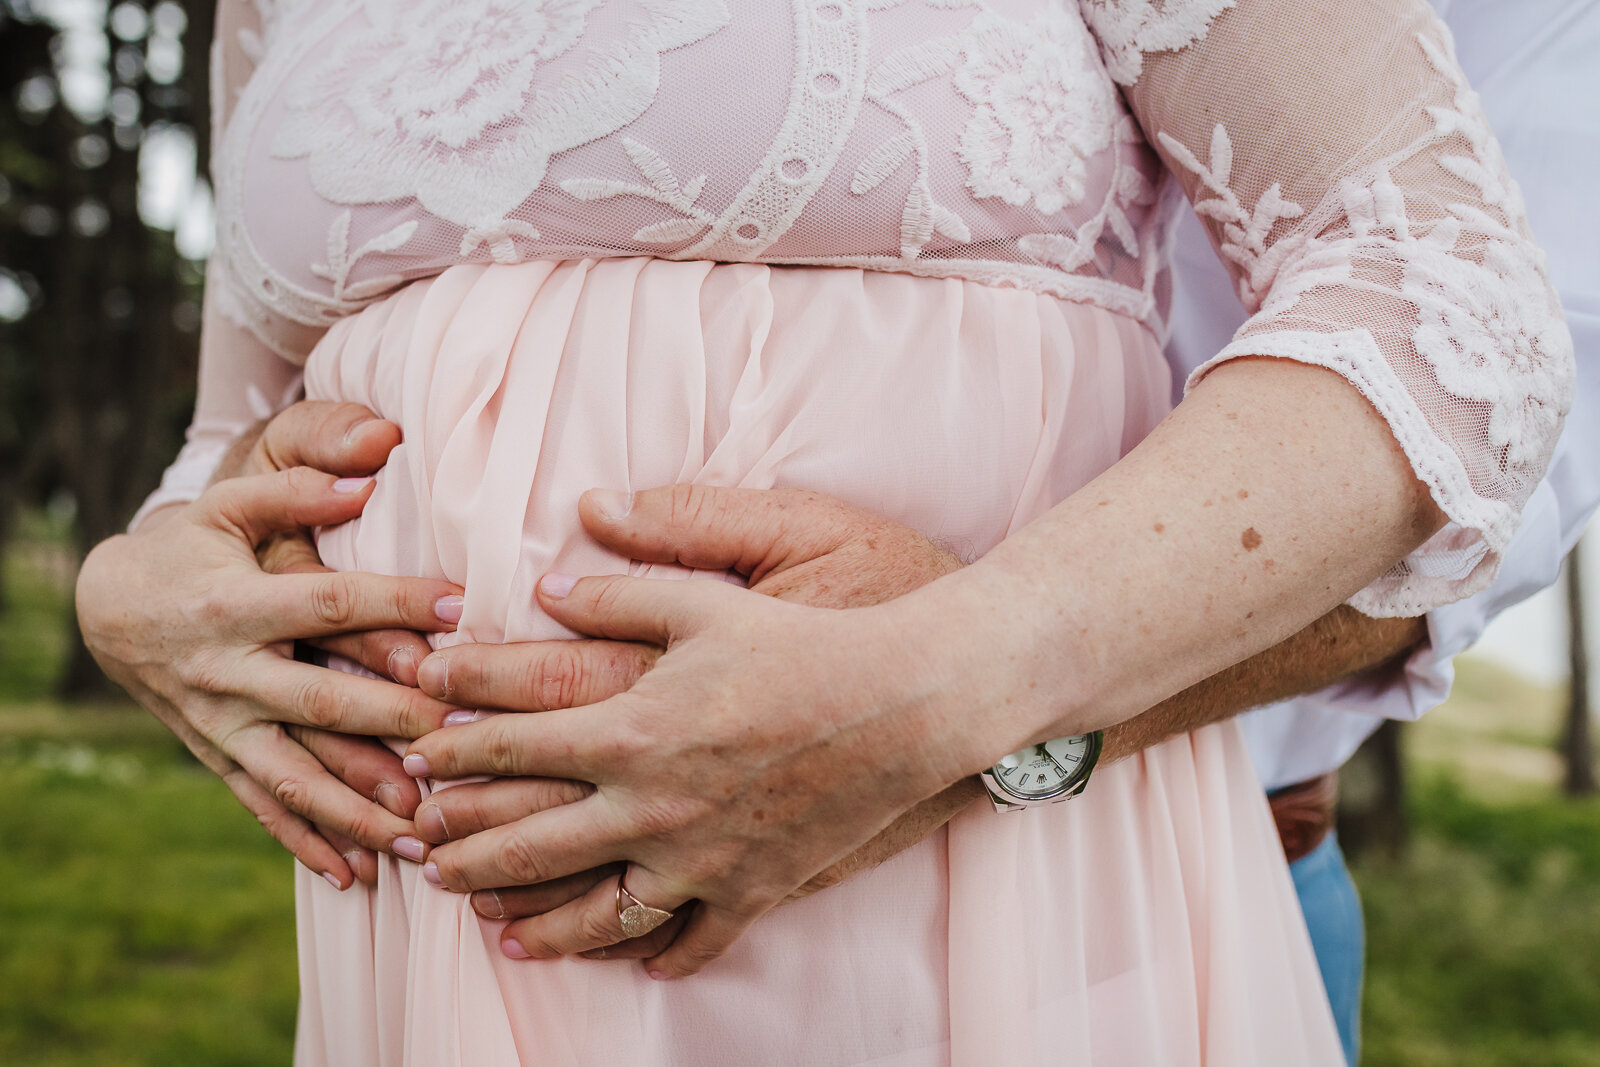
x=557, y=677
x=201, y=671
x=501, y=750
x=292, y=792
x=333, y=602
x=324, y=704
x=523, y=861
x=556, y=792
x=595, y=926
x=609, y=596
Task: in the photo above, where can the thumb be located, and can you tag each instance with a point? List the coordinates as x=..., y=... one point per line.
x=757, y=532
x=337, y=438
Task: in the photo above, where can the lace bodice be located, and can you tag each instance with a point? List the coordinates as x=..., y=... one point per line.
x=1335, y=152
x=985, y=141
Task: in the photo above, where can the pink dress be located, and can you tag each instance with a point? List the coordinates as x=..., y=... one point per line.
x=908, y=253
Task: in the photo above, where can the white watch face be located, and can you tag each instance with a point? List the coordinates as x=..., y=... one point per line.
x=1039, y=772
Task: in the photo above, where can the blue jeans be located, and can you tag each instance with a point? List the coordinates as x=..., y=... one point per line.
x=1333, y=915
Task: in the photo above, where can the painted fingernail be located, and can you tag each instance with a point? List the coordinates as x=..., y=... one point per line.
x=557, y=586
x=461, y=718
x=612, y=503
x=430, y=872
x=430, y=820
x=448, y=608
x=513, y=948
x=333, y=880
x=416, y=765
x=659, y=976
x=409, y=848
x=351, y=485
x=388, y=794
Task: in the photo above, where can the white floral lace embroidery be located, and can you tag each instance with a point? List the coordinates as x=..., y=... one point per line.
x=1129, y=29
x=974, y=140
x=1040, y=111
x=1244, y=232
x=452, y=118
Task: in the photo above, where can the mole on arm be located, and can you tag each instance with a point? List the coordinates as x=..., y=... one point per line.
x=1250, y=539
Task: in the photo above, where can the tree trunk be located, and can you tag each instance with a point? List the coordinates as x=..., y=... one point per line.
x=1373, y=818
x=1577, y=746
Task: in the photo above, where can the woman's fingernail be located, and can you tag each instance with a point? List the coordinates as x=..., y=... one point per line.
x=351, y=485
x=409, y=848
x=430, y=872
x=333, y=880
x=658, y=976
x=612, y=503
x=388, y=794
x=353, y=858
x=430, y=820
x=461, y=718
x=557, y=586
x=416, y=765
x=448, y=608
x=513, y=948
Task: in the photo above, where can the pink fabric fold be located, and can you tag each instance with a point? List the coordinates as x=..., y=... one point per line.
x=1150, y=921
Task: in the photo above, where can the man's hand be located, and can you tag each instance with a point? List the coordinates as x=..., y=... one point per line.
x=790, y=544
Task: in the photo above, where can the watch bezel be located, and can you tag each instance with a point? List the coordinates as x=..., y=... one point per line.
x=1072, y=785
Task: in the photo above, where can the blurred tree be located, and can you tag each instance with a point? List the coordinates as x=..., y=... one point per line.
x=1373, y=816
x=99, y=366
x=1577, y=747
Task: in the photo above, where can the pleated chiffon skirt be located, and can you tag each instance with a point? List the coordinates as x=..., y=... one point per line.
x=1149, y=923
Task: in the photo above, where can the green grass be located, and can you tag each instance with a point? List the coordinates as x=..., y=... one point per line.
x=144, y=917
x=146, y=920
x=1484, y=945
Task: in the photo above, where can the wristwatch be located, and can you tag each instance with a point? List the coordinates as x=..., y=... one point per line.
x=1043, y=774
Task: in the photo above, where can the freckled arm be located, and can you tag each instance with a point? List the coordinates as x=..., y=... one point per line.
x=1269, y=497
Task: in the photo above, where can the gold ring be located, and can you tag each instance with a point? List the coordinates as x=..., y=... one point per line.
x=637, y=917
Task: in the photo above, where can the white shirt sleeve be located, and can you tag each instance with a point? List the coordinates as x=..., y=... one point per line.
x=1533, y=64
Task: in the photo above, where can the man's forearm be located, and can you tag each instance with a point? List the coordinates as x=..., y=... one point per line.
x=1341, y=643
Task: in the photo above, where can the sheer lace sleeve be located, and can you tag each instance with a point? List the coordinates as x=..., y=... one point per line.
x=241, y=380
x=1347, y=176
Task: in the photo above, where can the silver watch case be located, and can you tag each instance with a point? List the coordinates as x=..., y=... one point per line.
x=1004, y=799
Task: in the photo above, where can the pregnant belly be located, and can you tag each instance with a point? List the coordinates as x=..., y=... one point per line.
x=960, y=409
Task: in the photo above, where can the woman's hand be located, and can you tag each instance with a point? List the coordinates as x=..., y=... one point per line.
x=777, y=776
x=348, y=440
x=795, y=545
x=854, y=558
x=181, y=615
